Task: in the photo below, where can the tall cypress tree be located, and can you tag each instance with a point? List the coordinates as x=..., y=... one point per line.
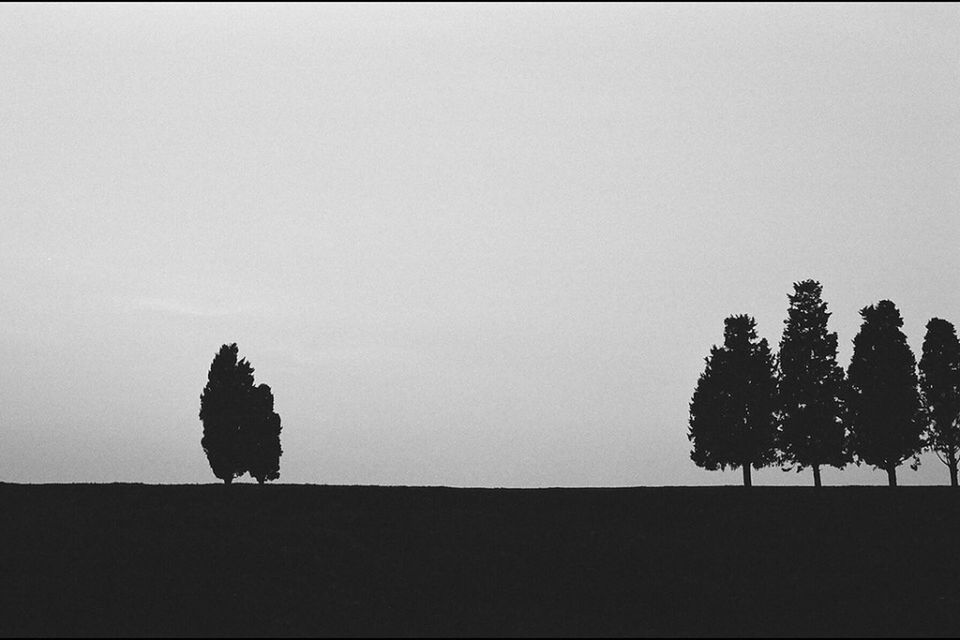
x=810, y=385
x=732, y=411
x=940, y=384
x=241, y=432
x=884, y=411
x=222, y=410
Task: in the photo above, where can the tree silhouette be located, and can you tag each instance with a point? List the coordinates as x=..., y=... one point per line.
x=241, y=432
x=940, y=384
x=732, y=411
x=884, y=411
x=810, y=385
x=262, y=450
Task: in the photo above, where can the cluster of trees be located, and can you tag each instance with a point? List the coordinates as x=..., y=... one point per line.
x=241, y=431
x=799, y=409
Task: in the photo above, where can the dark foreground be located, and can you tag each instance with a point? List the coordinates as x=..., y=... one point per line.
x=317, y=560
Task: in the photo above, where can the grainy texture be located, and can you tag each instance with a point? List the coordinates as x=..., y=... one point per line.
x=322, y=560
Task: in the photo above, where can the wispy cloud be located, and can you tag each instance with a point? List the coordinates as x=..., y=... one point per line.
x=181, y=308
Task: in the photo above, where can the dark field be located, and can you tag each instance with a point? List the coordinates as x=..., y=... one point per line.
x=319, y=560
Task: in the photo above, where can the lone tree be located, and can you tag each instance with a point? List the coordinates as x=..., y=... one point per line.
x=940, y=383
x=810, y=385
x=241, y=432
x=884, y=411
x=732, y=411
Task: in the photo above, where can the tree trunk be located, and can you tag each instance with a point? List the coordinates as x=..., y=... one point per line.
x=951, y=463
x=228, y=480
x=892, y=475
x=816, y=475
x=746, y=475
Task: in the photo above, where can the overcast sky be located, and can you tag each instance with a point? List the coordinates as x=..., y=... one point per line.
x=465, y=245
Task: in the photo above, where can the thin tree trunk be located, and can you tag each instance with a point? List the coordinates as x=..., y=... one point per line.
x=228, y=480
x=951, y=463
x=892, y=475
x=746, y=475
x=816, y=475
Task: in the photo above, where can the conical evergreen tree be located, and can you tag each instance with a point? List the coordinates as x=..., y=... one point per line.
x=732, y=411
x=810, y=385
x=222, y=409
x=940, y=384
x=884, y=411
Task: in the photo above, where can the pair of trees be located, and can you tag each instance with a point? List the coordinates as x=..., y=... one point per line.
x=748, y=412
x=752, y=409
x=241, y=431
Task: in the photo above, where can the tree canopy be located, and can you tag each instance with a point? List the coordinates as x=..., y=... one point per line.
x=810, y=385
x=940, y=384
x=732, y=410
x=241, y=431
x=884, y=410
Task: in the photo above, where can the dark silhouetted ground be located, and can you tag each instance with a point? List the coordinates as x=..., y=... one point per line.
x=318, y=560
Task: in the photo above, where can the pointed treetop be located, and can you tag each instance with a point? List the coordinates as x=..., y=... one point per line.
x=738, y=330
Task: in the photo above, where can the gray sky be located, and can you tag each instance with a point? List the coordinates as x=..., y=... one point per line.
x=470, y=245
